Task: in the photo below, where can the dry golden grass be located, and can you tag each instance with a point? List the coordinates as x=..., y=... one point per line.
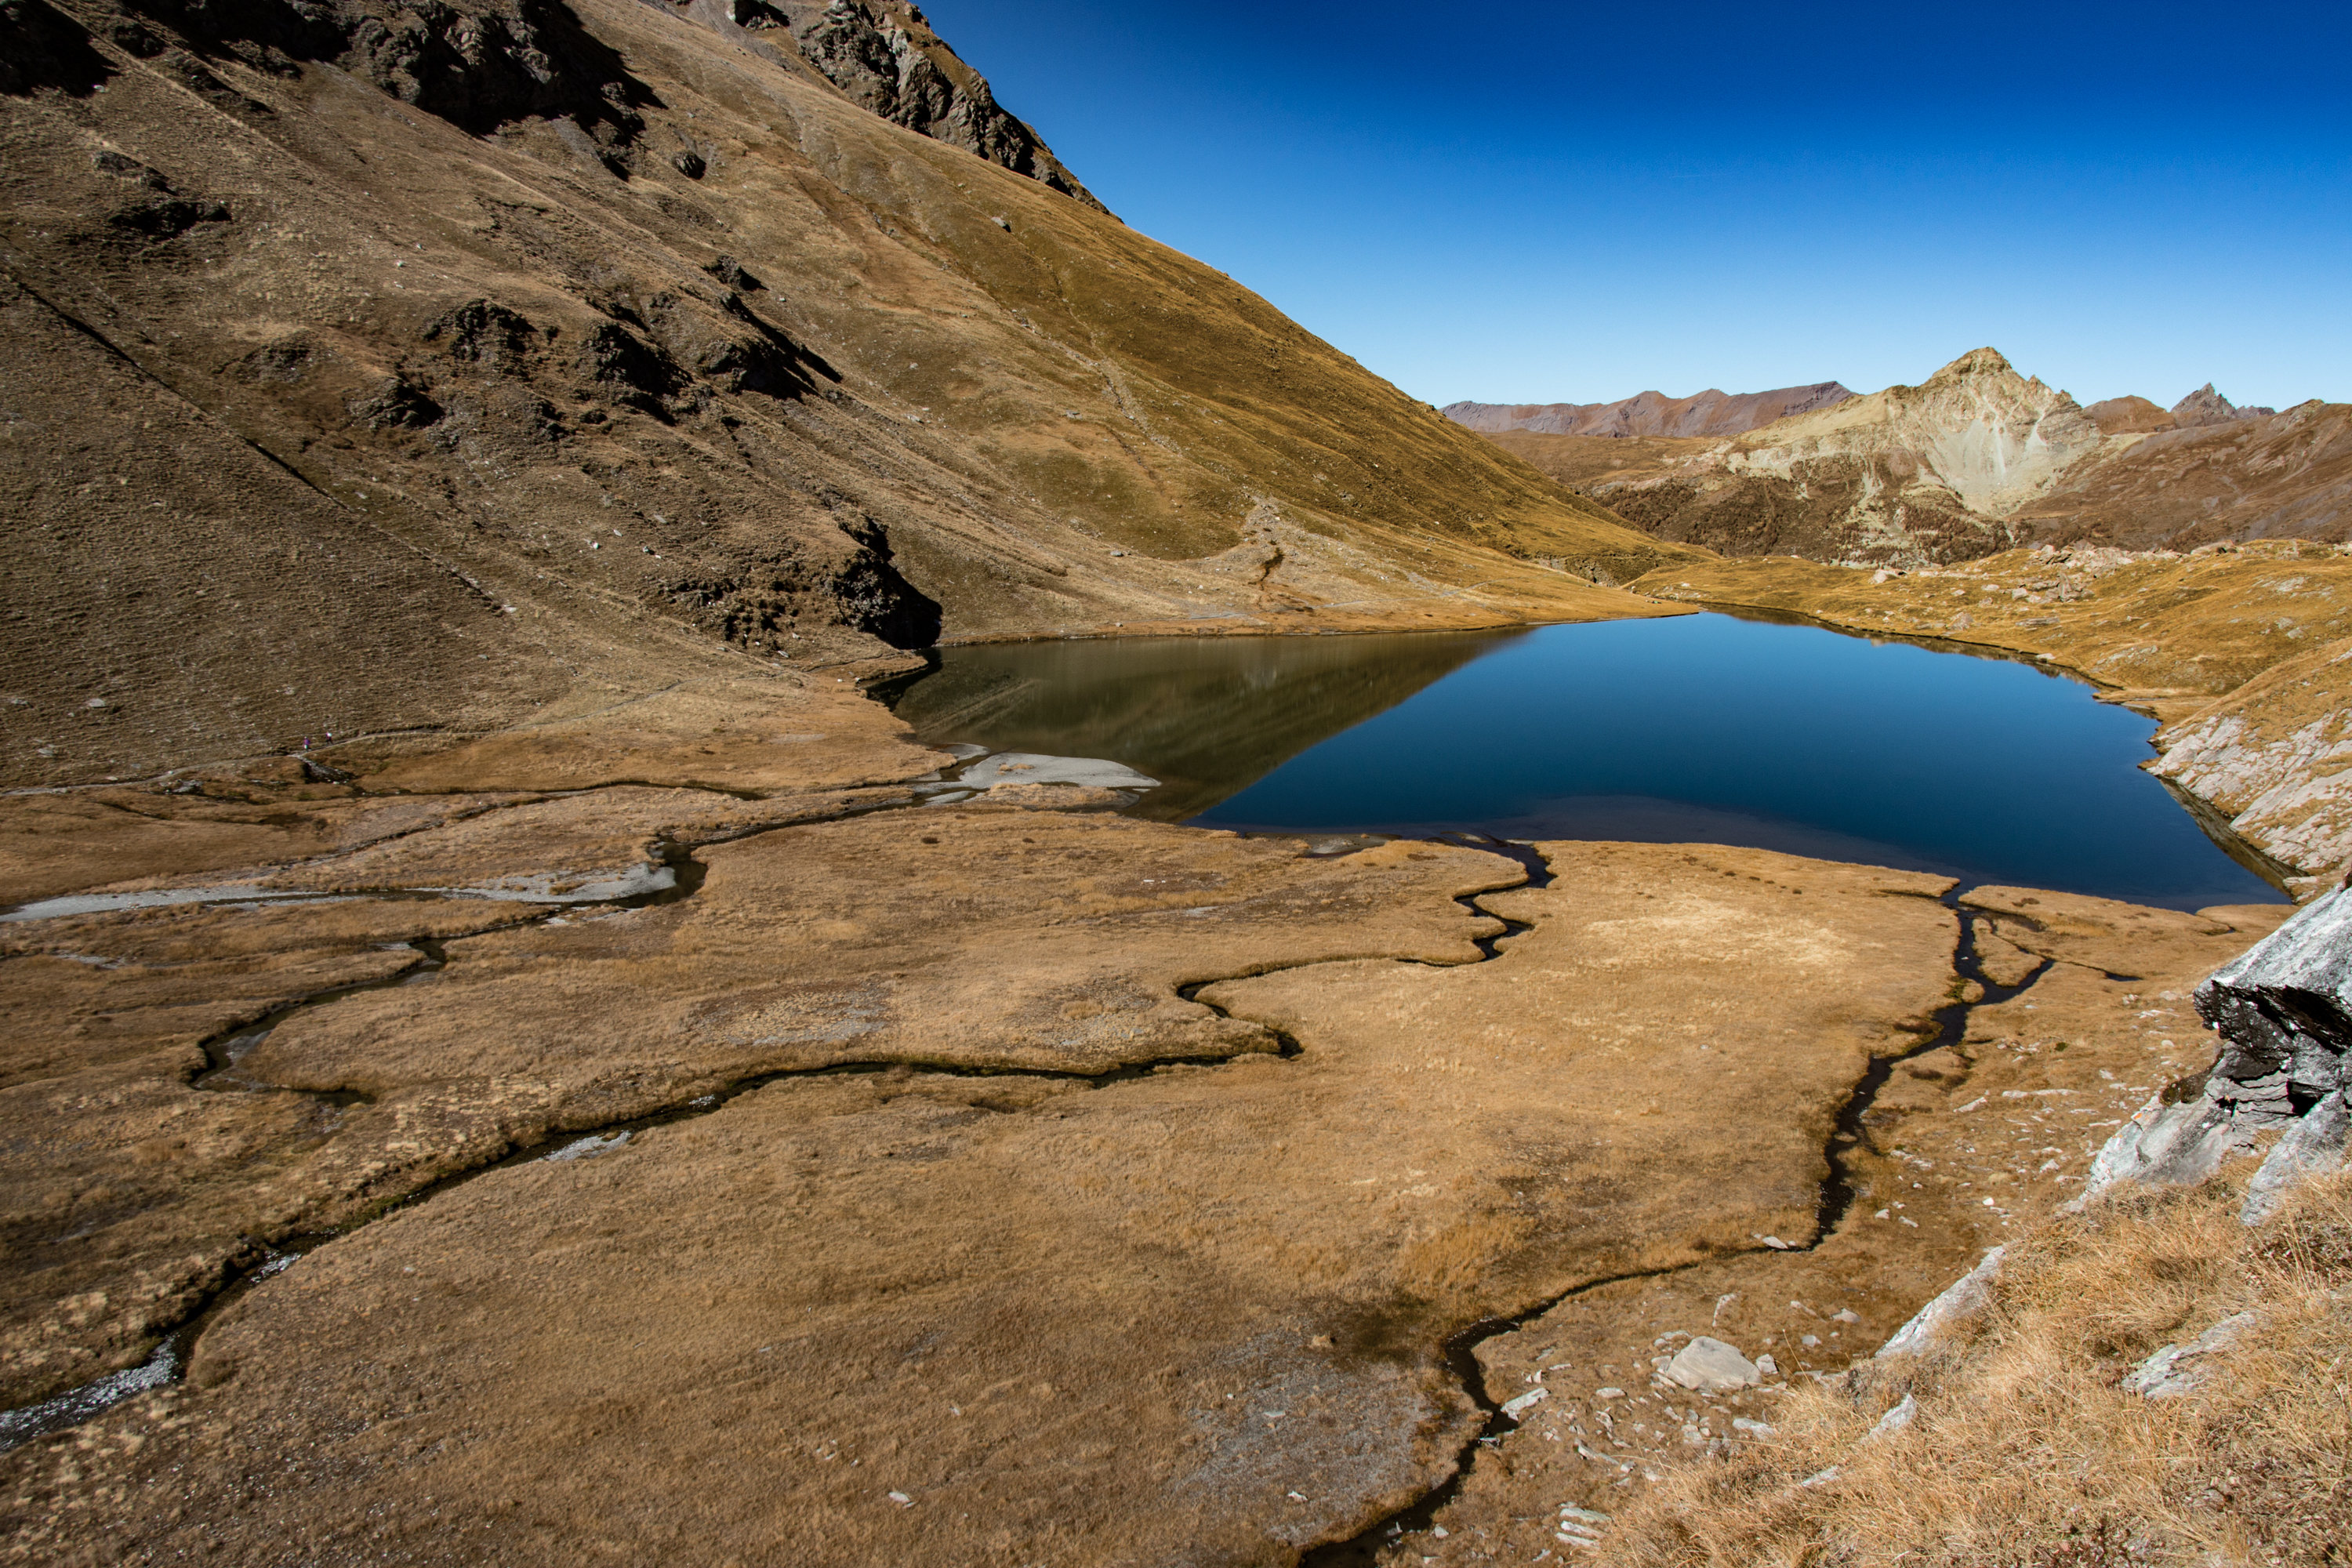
x=2026, y=1450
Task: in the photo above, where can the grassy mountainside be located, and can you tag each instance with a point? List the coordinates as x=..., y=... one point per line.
x=371, y=370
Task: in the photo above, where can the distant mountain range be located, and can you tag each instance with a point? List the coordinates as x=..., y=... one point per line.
x=1709, y=413
x=1976, y=460
x=2138, y=415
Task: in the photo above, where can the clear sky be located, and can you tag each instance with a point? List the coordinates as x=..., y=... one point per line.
x=1530, y=203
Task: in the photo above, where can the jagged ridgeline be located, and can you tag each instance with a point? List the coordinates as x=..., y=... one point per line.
x=375, y=367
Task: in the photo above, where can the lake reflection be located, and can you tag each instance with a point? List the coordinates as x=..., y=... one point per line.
x=1205, y=716
x=1694, y=728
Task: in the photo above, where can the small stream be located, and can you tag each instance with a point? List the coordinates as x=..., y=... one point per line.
x=225, y=1050
x=1696, y=729
x=1837, y=1194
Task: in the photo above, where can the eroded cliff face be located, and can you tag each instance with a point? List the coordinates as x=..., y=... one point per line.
x=885, y=55
x=372, y=369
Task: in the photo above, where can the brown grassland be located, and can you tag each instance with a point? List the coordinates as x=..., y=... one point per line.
x=2027, y=1450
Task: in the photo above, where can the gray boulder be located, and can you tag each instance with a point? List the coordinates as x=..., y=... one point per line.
x=2177, y=1369
x=2285, y=1006
x=1711, y=1366
x=2171, y=1144
x=2283, y=1010
x=1033, y=767
x=2314, y=1145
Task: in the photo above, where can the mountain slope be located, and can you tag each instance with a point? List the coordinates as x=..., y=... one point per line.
x=657, y=353
x=1976, y=460
x=1709, y=413
x=1912, y=473
x=2256, y=476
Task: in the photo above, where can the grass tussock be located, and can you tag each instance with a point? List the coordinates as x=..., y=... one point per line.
x=2026, y=1452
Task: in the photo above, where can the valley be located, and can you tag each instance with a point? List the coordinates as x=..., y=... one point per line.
x=732, y=836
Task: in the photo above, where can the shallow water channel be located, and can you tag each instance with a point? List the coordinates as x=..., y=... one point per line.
x=1690, y=729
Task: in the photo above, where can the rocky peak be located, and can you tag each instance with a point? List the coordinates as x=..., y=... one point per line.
x=1977, y=364
x=1993, y=438
x=2207, y=406
x=2204, y=406
x=884, y=54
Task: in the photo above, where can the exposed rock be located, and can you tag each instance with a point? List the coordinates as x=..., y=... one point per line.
x=1709, y=413
x=885, y=55
x=2176, y=1143
x=1895, y=1420
x=2207, y=406
x=1029, y=768
x=1940, y=1318
x=2284, y=1009
x=2314, y=1145
x=2172, y=1371
x=2274, y=759
x=1710, y=1366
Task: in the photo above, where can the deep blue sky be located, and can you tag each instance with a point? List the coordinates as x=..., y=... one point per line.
x=1557, y=203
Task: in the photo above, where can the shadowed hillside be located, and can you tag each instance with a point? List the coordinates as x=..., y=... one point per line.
x=374, y=371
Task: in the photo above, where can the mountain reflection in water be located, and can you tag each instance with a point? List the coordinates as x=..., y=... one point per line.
x=1207, y=717
x=1694, y=728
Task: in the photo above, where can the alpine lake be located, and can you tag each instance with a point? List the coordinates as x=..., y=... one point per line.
x=1694, y=728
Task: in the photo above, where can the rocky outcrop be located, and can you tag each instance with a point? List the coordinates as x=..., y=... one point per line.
x=1709, y=413
x=479, y=64
x=2283, y=1010
x=2207, y=406
x=2285, y=1007
x=1958, y=1303
x=2274, y=759
x=885, y=55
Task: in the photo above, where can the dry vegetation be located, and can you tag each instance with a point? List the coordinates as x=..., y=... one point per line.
x=2026, y=1448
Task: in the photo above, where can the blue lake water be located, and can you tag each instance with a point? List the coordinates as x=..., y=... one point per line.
x=1691, y=729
